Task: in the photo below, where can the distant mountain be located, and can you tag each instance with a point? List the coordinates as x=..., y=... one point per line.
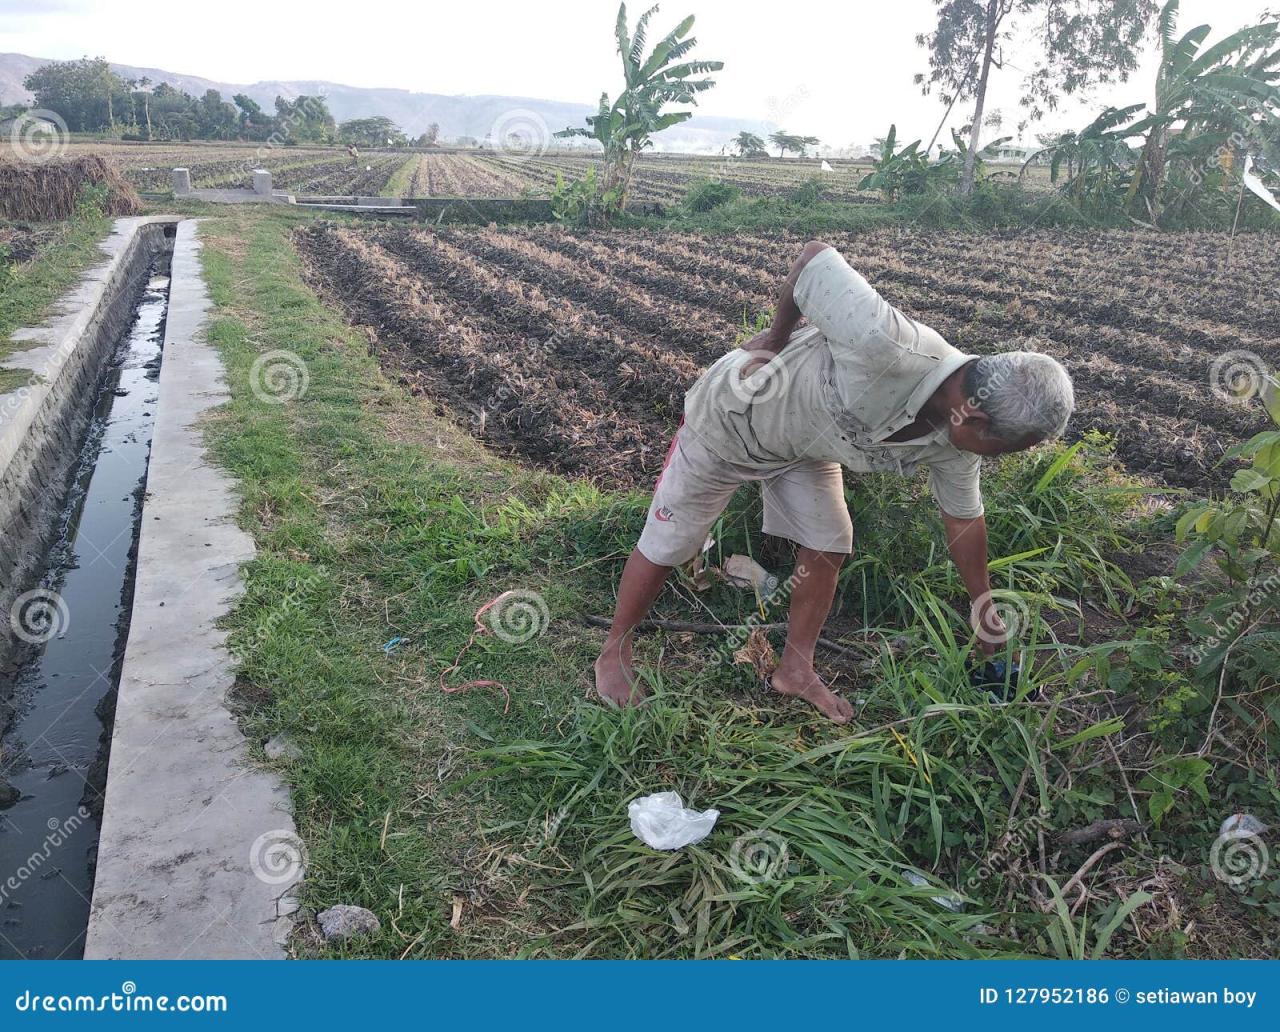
x=413, y=112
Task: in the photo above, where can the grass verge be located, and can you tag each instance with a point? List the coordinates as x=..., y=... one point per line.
x=28, y=288
x=931, y=827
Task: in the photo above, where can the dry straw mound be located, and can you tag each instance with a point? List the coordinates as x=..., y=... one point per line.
x=45, y=192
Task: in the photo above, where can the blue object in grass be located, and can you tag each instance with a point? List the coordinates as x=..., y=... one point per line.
x=393, y=644
x=998, y=677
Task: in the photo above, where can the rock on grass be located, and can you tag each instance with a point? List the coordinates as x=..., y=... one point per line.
x=345, y=921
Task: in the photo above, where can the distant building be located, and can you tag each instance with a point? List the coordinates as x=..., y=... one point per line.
x=1010, y=153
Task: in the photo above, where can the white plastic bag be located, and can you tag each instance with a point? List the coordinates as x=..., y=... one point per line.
x=953, y=903
x=661, y=821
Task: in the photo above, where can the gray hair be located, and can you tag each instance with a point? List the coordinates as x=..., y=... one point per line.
x=1024, y=394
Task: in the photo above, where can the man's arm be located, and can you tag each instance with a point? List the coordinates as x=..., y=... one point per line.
x=787, y=314
x=967, y=540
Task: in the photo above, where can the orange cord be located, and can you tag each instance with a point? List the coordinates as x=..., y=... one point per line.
x=480, y=629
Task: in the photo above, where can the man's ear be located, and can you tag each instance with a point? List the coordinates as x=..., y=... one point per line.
x=975, y=417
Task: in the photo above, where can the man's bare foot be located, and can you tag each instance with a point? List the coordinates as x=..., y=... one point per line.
x=802, y=681
x=616, y=677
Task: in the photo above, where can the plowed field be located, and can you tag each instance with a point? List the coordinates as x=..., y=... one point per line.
x=574, y=350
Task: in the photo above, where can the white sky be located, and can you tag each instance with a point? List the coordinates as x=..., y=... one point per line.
x=837, y=70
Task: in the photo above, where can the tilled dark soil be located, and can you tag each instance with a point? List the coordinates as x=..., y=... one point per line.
x=574, y=350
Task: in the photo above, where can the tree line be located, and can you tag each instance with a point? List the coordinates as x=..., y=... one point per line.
x=92, y=98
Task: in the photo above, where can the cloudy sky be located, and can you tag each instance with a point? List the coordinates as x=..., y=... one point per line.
x=837, y=70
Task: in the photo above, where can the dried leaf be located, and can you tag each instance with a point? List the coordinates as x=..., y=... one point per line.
x=697, y=569
x=757, y=653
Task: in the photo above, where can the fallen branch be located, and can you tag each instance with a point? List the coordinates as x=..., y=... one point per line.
x=1094, y=857
x=693, y=627
x=1114, y=829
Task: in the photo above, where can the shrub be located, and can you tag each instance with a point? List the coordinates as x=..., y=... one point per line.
x=807, y=193
x=584, y=202
x=706, y=194
x=1236, y=628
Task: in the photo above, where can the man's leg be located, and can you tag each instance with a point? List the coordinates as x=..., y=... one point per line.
x=805, y=504
x=691, y=493
x=615, y=676
x=816, y=574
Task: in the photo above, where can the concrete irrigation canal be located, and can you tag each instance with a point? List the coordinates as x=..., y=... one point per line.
x=131, y=820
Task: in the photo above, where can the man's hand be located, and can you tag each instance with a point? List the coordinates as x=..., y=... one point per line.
x=967, y=541
x=988, y=625
x=786, y=314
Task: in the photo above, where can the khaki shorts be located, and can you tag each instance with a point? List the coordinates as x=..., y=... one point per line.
x=803, y=502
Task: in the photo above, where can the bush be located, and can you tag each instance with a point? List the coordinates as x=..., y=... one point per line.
x=807, y=193
x=706, y=194
x=585, y=202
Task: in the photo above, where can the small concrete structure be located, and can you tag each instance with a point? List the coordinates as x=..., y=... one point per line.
x=262, y=182
x=198, y=856
x=181, y=182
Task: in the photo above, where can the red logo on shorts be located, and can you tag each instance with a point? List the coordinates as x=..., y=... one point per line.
x=664, y=515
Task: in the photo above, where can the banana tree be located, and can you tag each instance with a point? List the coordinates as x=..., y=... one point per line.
x=1094, y=163
x=895, y=170
x=626, y=126
x=1232, y=87
x=960, y=156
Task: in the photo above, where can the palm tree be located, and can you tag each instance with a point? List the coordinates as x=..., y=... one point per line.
x=144, y=86
x=625, y=127
x=1215, y=90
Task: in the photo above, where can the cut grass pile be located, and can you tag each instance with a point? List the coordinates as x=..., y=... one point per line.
x=52, y=190
x=471, y=831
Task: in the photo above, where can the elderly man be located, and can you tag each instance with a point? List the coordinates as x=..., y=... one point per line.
x=861, y=386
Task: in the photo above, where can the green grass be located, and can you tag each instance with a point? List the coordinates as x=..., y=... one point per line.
x=29, y=288
x=376, y=520
x=400, y=182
